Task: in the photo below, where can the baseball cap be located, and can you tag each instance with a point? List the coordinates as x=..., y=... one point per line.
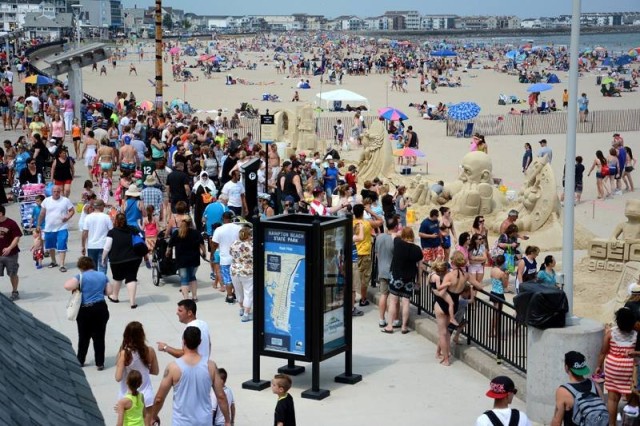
x=329, y=157
x=317, y=190
x=513, y=212
x=500, y=387
x=229, y=214
x=577, y=363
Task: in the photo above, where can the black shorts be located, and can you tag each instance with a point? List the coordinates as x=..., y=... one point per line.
x=497, y=297
x=126, y=271
x=579, y=187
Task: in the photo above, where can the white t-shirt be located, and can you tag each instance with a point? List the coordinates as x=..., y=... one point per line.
x=234, y=191
x=35, y=103
x=224, y=236
x=219, y=418
x=504, y=414
x=97, y=224
x=56, y=211
x=203, y=349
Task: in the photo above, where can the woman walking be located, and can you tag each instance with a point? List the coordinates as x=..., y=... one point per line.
x=57, y=129
x=242, y=272
x=614, y=167
x=527, y=157
x=204, y=192
x=189, y=246
x=62, y=171
x=93, y=315
x=133, y=207
x=447, y=231
x=124, y=261
x=135, y=355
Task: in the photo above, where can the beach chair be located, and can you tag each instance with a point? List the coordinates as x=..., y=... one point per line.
x=503, y=99
x=468, y=131
x=544, y=108
x=514, y=99
x=626, y=86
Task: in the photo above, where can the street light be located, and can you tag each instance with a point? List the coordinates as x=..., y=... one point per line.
x=77, y=9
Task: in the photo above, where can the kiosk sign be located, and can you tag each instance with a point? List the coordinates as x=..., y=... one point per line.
x=284, y=300
x=334, y=281
x=267, y=128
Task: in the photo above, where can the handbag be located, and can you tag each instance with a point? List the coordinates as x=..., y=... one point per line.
x=207, y=198
x=139, y=246
x=73, y=307
x=496, y=250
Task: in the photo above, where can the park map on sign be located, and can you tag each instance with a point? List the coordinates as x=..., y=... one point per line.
x=280, y=286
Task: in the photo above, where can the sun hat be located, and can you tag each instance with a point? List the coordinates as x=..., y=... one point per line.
x=133, y=191
x=500, y=387
x=329, y=157
x=577, y=363
x=150, y=181
x=264, y=196
x=513, y=212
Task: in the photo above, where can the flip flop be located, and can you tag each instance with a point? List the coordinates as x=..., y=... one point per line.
x=113, y=300
x=53, y=265
x=384, y=330
x=405, y=331
x=63, y=269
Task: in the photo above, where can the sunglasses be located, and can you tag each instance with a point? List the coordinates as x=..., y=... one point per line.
x=481, y=221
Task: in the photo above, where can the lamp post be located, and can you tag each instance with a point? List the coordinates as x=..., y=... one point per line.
x=77, y=10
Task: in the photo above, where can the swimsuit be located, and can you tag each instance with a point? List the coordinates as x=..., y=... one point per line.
x=497, y=289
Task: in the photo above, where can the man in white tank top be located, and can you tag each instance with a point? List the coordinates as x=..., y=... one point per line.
x=192, y=377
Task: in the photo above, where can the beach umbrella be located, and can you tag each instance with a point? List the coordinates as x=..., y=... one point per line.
x=464, y=111
x=174, y=50
x=176, y=102
x=146, y=105
x=635, y=51
x=443, y=52
x=624, y=60
x=38, y=79
x=539, y=87
x=392, y=114
x=408, y=152
x=512, y=54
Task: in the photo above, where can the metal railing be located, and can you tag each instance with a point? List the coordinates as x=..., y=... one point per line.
x=492, y=328
x=550, y=123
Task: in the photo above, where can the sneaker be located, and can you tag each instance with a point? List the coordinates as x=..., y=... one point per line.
x=356, y=312
x=147, y=263
x=212, y=276
x=14, y=296
x=230, y=300
x=382, y=323
x=397, y=324
x=241, y=312
x=617, y=192
x=38, y=266
x=364, y=302
x=247, y=318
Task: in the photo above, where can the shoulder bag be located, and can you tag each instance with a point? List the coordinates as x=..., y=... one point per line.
x=73, y=307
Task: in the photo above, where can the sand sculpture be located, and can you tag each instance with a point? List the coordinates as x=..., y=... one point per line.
x=297, y=129
x=623, y=246
x=377, y=157
x=537, y=200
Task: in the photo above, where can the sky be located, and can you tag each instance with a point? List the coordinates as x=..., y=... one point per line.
x=333, y=8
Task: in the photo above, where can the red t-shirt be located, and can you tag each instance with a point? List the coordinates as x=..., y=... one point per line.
x=8, y=231
x=351, y=179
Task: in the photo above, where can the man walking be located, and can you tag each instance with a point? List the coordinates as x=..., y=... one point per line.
x=94, y=234
x=234, y=190
x=178, y=183
x=10, y=234
x=222, y=238
x=192, y=377
x=384, y=255
x=502, y=390
x=56, y=212
x=575, y=365
x=186, y=313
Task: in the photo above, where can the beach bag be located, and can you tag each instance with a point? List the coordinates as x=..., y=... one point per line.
x=604, y=170
x=73, y=306
x=139, y=246
x=510, y=262
x=207, y=197
x=495, y=249
x=589, y=408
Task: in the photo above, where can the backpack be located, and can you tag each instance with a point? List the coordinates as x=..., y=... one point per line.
x=589, y=408
x=495, y=421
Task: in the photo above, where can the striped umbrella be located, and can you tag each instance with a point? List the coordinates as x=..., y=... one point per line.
x=392, y=114
x=464, y=111
x=408, y=152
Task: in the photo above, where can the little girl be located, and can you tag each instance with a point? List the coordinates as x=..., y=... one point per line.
x=36, y=248
x=105, y=187
x=499, y=281
x=130, y=409
x=150, y=226
x=443, y=298
x=76, y=135
x=88, y=191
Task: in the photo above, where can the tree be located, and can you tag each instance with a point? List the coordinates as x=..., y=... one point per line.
x=167, y=22
x=186, y=24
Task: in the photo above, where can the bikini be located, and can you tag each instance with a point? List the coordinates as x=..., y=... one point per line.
x=439, y=300
x=446, y=239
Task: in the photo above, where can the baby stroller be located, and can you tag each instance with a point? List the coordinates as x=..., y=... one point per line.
x=161, y=265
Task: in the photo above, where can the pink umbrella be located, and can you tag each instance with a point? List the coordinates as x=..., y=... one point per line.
x=146, y=106
x=174, y=50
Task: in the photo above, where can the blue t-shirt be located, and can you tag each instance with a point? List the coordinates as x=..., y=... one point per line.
x=93, y=285
x=429, y=226
x=35, y=213
x=21, y=162
x=622, y=157
x=213, y=214
x=331, y=177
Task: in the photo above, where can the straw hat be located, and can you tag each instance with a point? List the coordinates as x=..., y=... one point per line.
x=133, y=191
x=150, y=181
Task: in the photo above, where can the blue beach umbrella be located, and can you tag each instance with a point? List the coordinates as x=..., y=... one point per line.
x=464, y=111
x=539, y=87
x=512, y=54
x=444, y=52
x=624, y=60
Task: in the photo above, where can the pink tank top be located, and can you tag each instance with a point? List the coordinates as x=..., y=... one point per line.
x=151, y=229
x=57, y=129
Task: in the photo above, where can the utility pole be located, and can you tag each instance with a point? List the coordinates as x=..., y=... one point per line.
x=158, y=17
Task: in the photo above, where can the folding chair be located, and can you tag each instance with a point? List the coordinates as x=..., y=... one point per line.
x=468, y=131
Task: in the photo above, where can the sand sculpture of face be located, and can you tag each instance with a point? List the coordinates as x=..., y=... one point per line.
x=632, y=210
x=476, y=167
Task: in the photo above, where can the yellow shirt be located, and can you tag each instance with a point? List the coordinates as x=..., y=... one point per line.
x=363, y=247
x=565, y=97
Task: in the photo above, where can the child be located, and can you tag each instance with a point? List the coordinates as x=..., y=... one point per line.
x=105, y=187
x=130, y=409
x=499, y=281
x=463, y=303
x=76, y=135
x=285, y=414
x=150, y=226
x=35, y=213
x=88, y=191
x=218, y=417
x=436, y=279
x=340, y=135
x=36, y=248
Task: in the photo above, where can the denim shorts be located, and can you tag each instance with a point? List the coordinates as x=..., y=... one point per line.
x=187, y=275
x=225, y=270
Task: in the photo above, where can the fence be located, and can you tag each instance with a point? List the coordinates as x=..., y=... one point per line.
x=546, y=124
x=507, y=341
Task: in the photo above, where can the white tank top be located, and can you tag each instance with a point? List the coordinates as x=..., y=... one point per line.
x=146, y=389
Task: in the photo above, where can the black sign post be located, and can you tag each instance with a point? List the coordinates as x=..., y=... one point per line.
x=267, y=135
x=302, y=296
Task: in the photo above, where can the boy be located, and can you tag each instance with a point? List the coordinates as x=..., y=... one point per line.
x=218, y=417
x=35, y=213
x=340, y=134
x=285, y=414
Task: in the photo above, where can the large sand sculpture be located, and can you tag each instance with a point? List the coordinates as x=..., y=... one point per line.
x=377, y=157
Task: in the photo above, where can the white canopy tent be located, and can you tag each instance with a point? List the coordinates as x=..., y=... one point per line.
x=326, y=99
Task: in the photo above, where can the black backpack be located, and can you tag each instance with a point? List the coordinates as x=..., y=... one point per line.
x=495, y=421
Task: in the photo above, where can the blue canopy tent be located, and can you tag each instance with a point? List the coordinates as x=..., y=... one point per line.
x=624, y=60
x=444, y=52
x=553, y=79
x=607, y=62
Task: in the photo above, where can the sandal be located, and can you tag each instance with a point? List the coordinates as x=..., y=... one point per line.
x=113, y=300
x=53, y=265
x=384, y=330
x=406, y=331
x=63, y=269
x=134, y=306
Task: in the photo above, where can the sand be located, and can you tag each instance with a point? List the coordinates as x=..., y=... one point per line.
x=443, y=154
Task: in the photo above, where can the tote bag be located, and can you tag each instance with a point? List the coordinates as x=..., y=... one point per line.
x=73, y=307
